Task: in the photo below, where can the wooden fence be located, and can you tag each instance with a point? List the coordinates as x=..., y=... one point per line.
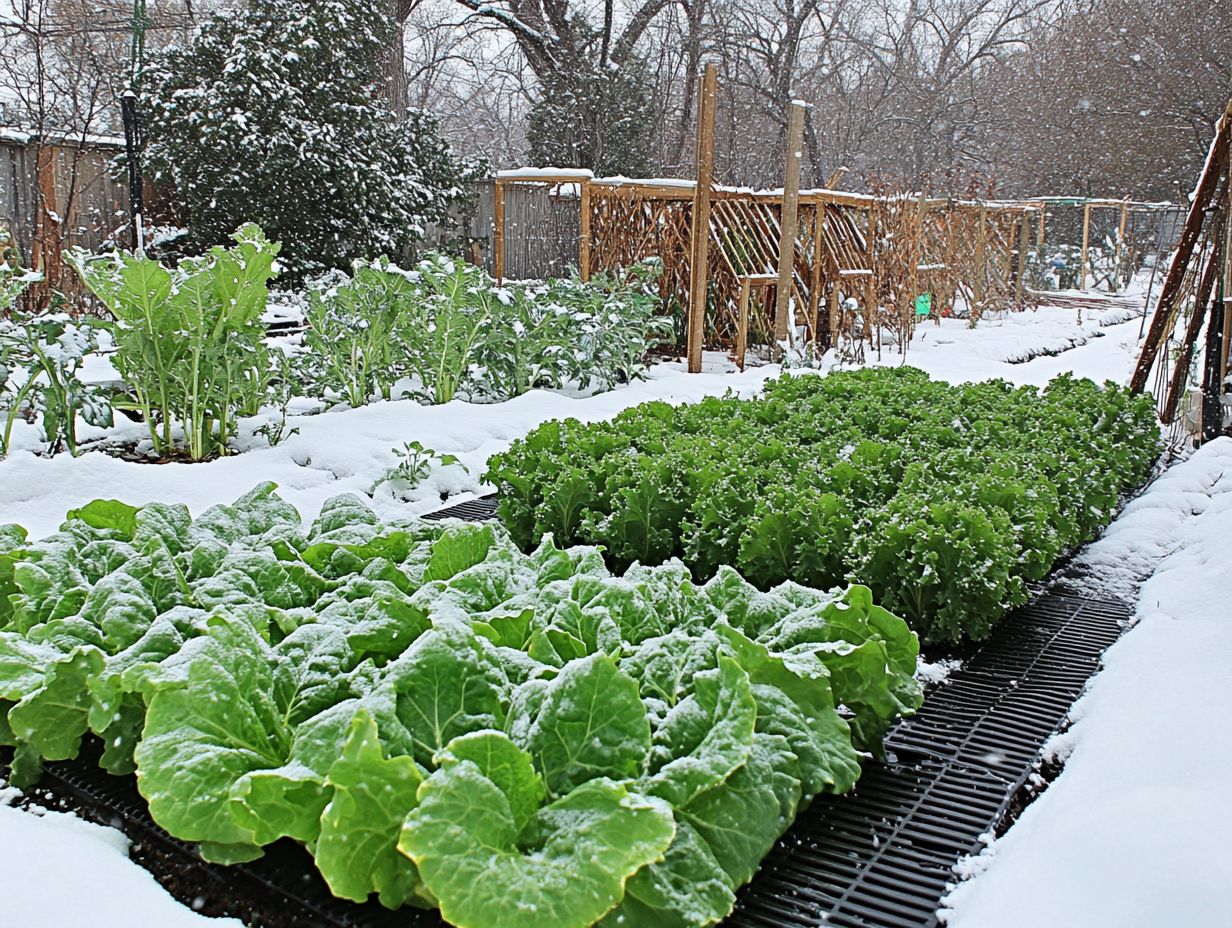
x=859, y=265
x=79, y=184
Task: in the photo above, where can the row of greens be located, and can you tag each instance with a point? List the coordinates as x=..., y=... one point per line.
x=945, y=500
x=190, y=346
x=521, y=740
x=449, y=328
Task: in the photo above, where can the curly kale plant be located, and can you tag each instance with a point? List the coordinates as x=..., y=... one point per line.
x=947, y=501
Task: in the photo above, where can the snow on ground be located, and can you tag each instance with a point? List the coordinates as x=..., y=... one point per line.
x=1029, y=347
x=58, y=871
x=349, y=450
x=1133, y=833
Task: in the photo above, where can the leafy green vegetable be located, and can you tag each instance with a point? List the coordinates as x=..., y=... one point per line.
x=521, y=740
x=447, y=326
x=568, y=866
x=189, y=342
x=945, y=500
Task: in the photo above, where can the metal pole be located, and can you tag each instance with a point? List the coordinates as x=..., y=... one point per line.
x=133, y=139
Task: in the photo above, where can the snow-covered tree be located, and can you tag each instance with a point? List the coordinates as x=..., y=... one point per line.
x=587, y=118
x=275, y=115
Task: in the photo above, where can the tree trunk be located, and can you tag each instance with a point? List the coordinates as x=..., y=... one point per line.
x=393, y=67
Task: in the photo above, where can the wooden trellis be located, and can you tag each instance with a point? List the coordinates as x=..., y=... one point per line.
x=845, y=292
x=1197, y=295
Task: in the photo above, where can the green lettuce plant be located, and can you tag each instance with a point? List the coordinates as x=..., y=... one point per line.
x=518, y=739
x=946, y=500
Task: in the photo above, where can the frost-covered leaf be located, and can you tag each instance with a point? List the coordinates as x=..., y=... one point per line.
x=704, y=737
x=591, y=723
x=356, y=850
x=566, y=869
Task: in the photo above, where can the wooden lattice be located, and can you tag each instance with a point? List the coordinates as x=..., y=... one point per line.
x=846, y=292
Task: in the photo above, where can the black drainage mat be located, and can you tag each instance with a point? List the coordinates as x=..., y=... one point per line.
x=877, y=857
x=480, y=509
x=881, y=855
x=280, y=890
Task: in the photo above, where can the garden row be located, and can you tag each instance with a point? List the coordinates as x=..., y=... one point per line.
x=521, y=740
x=945, y=500
x=190, y=345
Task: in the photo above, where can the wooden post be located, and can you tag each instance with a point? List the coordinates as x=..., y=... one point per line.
x=981, y=271
x=498, y=232
x=815, y=278
x=1023, y=239
x=742, y=330
x=699, y=251
x=870, y=282
x=1039, y=238
x=584, y=232
x=1086, y=241
x=789, y=225
x=1120, y=246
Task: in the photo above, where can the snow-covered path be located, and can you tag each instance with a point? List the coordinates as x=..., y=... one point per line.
x=1134, y=832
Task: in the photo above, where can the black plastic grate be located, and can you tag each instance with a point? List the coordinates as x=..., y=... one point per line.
x=480, y=509
x=283, y=887
x=880, y=856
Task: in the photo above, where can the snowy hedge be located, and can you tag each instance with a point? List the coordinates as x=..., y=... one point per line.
x=271, y=115
x=522, y=740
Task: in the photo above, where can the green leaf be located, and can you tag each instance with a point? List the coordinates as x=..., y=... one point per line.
x=226, y=706
x=805, y=713
x=356, y=851
x=448, y=683
x=687, y=889
x=108, y=513
x=741, y=819
x=460, y=547
x=705, y=737
x=590, y=724
x=53, y=717
x=565, y=870
x=506, y=765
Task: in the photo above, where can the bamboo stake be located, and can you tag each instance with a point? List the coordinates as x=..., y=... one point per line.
x=584, y=233
x=789, y=224
x=1190, y=236
x=1227, y=280
x=742, y=330
x=498, y=233
x=1180, y=373
x=1086, y=241
x=700, y=232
